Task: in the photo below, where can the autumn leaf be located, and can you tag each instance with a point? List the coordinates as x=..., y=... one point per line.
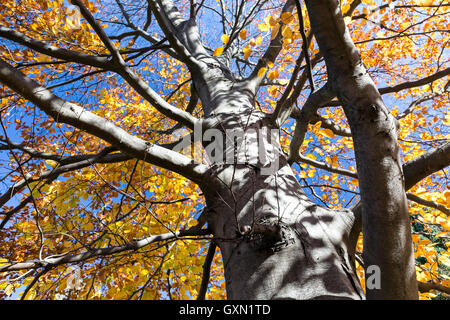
x=247, y=51
x=243, y=34
x=263, y=27
x=218, y=51
x=92, y=188
x=327, y=133
x=273, y=74
x=287, y=17
x=225, y=38
x=262, y=71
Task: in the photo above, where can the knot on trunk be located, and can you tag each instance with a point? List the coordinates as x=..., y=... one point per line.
x=269, y=235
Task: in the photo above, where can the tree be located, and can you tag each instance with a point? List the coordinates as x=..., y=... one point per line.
x=141, y=137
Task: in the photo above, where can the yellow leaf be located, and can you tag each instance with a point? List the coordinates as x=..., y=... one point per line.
x=327, y=133
x=447, y=197
x=263, y=27
x=347, y=20
x=43, y=4
x=273, y=91
x=447, y=120
x=51, y=162
x=420, y=190
x=262, y=71
x=334, y=159
x=270, y=64
x=425, y=2
x=89, y=226
x=247, y=51
x=380, y=34
x=218, y=51
x=273, y=74
x=286, y=32
x=345, y=7
x=259, y=40
x=446, y=223
x=9, y=289
x=225, y=38
x=366, y=1
x=317, y=125
x=441, y=234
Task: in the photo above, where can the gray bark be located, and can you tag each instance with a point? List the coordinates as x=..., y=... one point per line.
x=275, y=242
x=385, y=217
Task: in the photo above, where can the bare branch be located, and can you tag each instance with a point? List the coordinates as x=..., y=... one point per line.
x=305, y=45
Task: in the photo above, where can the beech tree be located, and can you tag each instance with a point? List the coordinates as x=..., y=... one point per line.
x=263, y=149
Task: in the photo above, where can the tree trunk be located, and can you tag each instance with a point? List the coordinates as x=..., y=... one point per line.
x=275, y=242
x=385, y=217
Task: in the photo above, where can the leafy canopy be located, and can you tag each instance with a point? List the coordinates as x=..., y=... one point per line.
x=76, y=207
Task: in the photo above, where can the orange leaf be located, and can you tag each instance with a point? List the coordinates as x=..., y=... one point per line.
x=243, y=34
x=218, y=51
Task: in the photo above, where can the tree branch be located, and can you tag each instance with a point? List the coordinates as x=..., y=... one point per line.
x=327, y=167
x=206, y=271
x=51, y=175
x=428, y=286
x=55, y=52
x=130, y=246
x=99, y=31
x=274, y=48
x=416, y=83
x=174, y=27
x=428, y=203
x=69, y=113
x=305, y=45
x=309, y=109
x=428, y=163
